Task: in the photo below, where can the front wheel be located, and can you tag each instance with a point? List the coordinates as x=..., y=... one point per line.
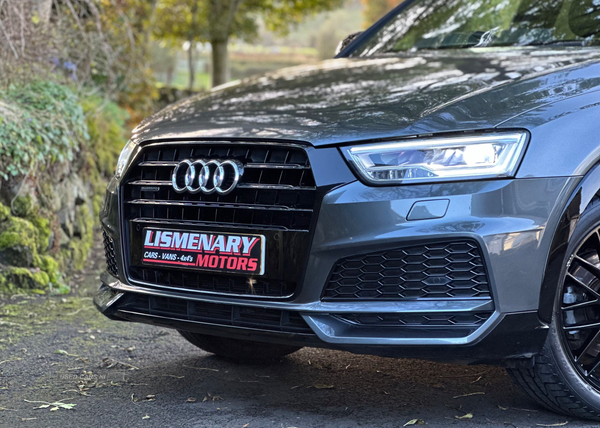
x=566, y=375
x=238, y=350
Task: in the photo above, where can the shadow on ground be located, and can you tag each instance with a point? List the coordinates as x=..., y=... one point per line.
x=60, y=350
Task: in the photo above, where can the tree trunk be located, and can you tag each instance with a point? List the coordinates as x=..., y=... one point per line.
x=220, y=62
x=192, y=64
x=192, y=40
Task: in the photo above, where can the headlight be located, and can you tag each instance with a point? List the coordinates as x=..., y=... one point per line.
x=439, y=159
x=124, y=158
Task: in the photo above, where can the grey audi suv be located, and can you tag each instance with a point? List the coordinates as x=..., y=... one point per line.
x=432, y=192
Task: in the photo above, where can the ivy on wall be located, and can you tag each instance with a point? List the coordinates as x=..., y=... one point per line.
x=41, y=123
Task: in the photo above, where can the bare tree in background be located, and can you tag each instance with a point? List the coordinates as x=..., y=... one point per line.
x=90, y=43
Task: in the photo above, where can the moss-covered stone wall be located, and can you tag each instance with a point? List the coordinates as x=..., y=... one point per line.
x=49, y=216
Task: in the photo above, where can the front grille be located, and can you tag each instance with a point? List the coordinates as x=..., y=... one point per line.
x=444, y=270
x=217, y=314
x=277, y=188
x=276, y=195
x=109, y=252
x=462, y=320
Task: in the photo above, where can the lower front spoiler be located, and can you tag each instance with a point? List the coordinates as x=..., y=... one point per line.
x=516, y=336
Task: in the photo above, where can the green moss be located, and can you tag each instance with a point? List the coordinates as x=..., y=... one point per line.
x=18, y=279
x=18, y=241
x=42, y=225
x=23, y=206
x=4, y=212
x=23, y=244
x=106, y=127
x=79, y=247
x=97, y=202
x=49, y=265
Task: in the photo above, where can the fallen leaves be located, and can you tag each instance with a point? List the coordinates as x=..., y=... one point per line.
x=210, y=397
x=191, y=400
x=466, y=416
x=561, y=424
x=414, y=422
x=110, y=363
x=10, y=360
x=322, y=386
x=53, y=406
x=470, y=394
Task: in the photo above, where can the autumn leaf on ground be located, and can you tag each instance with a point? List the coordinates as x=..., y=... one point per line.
x=53, y=406
x=415, y=422
x=467, y=416
x=321, y=386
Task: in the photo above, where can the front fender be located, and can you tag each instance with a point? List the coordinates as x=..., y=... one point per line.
x=580, y=199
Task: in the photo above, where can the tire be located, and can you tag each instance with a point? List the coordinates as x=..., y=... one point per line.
x=565, y=377
x=242, y=351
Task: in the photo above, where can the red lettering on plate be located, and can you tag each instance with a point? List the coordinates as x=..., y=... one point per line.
x=242, y=262
x=231, y=263
x=203, y=261
x=252, y=264
x=223, y=260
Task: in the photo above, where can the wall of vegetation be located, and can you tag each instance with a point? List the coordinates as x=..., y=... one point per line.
x=73, y=73
x=57, y=150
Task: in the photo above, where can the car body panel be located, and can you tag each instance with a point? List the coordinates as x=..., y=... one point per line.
x=522, y=224
x=563, y=143
x=353, y=100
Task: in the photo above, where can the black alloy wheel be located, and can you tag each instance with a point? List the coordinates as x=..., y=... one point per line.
x=579, y=320
x=565, y=376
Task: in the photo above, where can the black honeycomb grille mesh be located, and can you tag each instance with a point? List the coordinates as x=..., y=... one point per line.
x=109, y=252
x=446, y=270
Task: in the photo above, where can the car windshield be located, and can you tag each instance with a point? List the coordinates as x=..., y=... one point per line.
x=455, y=24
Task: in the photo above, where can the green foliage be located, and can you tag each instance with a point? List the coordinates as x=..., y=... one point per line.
x=376, y=9
x=79, y=248
x=17, y=279
x=43, y=123
x=106, y=124
x=24, y=246
x=176, y=22
x=215, y=21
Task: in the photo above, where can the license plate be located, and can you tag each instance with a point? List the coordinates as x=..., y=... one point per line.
x=209, y=251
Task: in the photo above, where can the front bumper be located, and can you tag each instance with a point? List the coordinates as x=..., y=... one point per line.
x=512, y=221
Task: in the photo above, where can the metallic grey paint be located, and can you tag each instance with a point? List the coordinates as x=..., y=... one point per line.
x=522, y=224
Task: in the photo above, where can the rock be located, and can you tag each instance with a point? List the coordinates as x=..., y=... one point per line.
x=17, y=255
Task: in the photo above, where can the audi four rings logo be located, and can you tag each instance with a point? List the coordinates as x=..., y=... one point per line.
x=207, y=176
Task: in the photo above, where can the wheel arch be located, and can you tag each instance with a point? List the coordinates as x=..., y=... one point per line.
x=587, y=190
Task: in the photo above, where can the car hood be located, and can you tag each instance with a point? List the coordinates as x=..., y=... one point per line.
x=345, y=100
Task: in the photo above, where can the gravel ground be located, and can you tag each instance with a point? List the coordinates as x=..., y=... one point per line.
x=113, y=374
